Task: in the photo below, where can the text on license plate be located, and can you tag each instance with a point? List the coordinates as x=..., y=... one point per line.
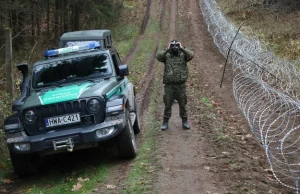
x=62, y=120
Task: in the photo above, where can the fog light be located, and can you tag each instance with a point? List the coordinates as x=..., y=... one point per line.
x=104, y=132
x=22, y=146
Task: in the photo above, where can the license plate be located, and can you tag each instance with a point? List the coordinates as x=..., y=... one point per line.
x=62, y=120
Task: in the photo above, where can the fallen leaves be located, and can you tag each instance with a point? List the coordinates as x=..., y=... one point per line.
x=167, y=170
x=7, y=181
x=206, y=168
x=3, y=166
x=225, y=153
x=151, y=169
x=83, y=180
x=78, y=186
x=111, y=186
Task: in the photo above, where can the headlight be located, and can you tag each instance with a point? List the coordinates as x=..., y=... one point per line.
x=30, y=117
x=93, y=105
x=22, y=146
x=104, y=132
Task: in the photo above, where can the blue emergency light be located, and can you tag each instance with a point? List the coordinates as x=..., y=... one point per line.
x=92, y=45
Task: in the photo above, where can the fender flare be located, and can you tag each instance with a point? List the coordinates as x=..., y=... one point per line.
x=131, y=96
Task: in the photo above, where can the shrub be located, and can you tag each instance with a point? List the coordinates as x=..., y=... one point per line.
x=5, y=110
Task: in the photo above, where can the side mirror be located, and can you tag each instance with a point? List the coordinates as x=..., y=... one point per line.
x=123, y=70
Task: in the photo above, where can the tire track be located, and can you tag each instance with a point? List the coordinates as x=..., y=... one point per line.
x=141, y=34
x=143, y=97
x=119, y=173
x=181, y=152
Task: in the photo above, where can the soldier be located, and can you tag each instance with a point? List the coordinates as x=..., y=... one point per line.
x=175, y=58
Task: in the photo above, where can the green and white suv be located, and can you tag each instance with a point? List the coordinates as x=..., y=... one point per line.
x=78, y=97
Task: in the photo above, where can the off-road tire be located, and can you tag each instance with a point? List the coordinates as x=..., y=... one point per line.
x=136, y=124
x=25, y=164
x=126, y=141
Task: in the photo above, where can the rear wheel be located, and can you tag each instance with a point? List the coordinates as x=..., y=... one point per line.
x=126, y=141
x=25, y=164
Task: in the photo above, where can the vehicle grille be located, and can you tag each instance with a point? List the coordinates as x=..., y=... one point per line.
x=58, y=109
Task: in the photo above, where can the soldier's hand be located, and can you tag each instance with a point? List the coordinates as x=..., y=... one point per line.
x=169, y=47
x=180, y=45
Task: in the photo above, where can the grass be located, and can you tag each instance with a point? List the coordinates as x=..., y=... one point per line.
x=277, y=29
x=5, y=165
x=138, y=65
x=206, y=101
x=220, y=135
x=140, y=177
x=60, y=183
x=124, y=38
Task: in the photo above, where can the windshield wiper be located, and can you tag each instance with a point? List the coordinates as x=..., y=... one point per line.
x=52, y=84
x=45, y=87
x=80, y=79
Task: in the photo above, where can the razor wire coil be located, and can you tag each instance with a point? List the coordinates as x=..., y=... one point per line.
x=266, y=89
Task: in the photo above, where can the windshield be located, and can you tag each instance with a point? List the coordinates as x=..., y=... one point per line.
x=74, y=69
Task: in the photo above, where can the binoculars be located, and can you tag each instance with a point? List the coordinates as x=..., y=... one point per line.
x=174, y=45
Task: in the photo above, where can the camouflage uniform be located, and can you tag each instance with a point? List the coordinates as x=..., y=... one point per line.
x=175, y=75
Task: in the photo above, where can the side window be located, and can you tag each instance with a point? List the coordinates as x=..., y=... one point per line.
x=108, y=41
x=116, y=61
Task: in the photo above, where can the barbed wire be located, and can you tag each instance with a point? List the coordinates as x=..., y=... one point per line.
x=266, y=89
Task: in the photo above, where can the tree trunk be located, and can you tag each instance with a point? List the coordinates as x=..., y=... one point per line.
x=37, y=8
x=8, y=64
x=66, y=15
x=9, y=14
x=56, y=18
x=32, y=22
x=48, y=17
x=14, y=23
x=75, y=15
x=20, y=30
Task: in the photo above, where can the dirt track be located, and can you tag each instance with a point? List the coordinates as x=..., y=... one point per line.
x=193, y=162
x=181, y=153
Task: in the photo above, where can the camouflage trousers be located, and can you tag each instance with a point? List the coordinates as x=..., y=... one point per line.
x=178, y=92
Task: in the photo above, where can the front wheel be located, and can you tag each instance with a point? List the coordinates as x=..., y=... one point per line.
x=126, y=141
x=25, y=164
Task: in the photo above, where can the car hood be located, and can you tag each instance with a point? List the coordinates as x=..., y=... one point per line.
x=69, y=93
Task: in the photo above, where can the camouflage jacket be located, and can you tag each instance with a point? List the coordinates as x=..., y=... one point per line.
x=176, y=70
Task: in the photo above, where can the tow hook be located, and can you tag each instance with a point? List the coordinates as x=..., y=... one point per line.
x=69, y=144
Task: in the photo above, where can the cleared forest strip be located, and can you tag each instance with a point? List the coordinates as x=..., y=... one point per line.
x=262, y=87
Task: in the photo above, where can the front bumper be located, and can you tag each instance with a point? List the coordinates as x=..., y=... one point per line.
x=79, y=136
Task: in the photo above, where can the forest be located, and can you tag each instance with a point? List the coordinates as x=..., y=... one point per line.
x=36, y=25
x=43, y=21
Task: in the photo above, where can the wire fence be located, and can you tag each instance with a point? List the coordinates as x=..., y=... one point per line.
x=266, y=89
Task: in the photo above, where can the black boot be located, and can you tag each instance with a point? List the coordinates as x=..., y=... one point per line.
x=185, y=123
x=164, y=124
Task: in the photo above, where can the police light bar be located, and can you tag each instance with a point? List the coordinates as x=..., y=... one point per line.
x=92, y=45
